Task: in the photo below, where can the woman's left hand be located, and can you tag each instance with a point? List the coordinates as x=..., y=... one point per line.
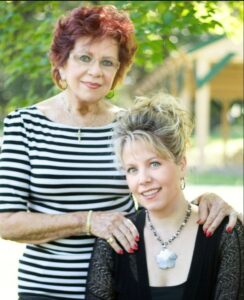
x=212, y=210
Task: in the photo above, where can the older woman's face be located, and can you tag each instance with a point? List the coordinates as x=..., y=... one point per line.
x=91, y=68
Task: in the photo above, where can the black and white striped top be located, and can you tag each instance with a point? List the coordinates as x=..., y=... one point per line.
x=45, y=168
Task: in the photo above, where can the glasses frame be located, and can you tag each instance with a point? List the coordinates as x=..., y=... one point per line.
x=88, y=64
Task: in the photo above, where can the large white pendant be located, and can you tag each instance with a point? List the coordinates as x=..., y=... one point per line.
x=166, y=259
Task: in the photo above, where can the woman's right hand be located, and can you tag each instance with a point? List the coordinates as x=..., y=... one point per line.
x=116, y=229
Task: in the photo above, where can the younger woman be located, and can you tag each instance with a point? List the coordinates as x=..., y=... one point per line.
x=175, y=260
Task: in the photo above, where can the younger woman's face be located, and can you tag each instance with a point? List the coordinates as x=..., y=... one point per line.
x=91, y=68
x=153, y=180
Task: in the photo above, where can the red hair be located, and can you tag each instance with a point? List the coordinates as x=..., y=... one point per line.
x=95, y=22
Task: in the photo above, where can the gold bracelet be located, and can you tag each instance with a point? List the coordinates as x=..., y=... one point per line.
x=88, y=223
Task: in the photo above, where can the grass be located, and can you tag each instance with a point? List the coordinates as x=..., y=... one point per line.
x=222, y=176
x=223, y=163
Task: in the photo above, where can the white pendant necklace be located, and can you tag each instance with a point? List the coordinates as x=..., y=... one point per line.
x=166, y=258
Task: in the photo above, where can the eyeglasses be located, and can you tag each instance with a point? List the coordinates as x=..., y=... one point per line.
x=106, y=64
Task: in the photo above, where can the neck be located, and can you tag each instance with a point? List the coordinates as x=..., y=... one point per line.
x=171, y=216
x=78, y=107
x=76, y=112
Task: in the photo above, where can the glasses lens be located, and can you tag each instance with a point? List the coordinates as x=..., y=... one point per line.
x=104, y=63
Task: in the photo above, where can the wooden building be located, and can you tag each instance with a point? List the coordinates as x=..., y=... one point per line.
x=211, y=69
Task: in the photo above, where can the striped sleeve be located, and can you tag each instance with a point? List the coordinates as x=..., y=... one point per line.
x=14, y=165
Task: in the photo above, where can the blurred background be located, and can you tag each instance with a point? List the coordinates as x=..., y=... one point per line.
x=191, y=49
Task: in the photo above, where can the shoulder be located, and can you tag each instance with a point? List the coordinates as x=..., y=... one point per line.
x=118, y=112
x=239, y=228
x=135, y=215
x=20, y=111
x=102, y=249
x=19, y=114
x=49, y=105
x=101, y=243
x=233, y=242
x=237, y=234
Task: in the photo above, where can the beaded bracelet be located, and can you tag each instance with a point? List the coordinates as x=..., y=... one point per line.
x=88, y=223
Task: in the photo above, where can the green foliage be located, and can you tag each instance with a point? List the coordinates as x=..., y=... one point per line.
x=26, y=32
x=24, y=42
x=215, y=176
x=162, y=26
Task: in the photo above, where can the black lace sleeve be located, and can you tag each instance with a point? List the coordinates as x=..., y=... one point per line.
x=100, y=283
x=230, y=278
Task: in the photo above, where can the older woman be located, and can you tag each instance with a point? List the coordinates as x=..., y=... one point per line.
x=60, y=187
x=174, y=260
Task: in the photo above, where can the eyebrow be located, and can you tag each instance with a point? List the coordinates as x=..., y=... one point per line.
x=86, y=51
x=89, y=53
x=148, y=160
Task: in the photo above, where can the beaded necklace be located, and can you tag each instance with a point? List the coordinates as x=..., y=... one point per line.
x=166, y=258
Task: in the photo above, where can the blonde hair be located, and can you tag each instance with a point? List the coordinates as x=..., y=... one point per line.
x=160, y=122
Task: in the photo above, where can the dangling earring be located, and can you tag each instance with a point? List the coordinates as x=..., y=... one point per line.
x=135, y=201
x=182, y=183
x=110, y=94
x=62, y=81
x=63, y=84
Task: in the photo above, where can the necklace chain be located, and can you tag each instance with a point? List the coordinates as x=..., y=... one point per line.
x=169, y=241
x=71, y=117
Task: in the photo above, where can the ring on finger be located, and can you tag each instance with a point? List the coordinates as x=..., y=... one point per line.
x=110, y=240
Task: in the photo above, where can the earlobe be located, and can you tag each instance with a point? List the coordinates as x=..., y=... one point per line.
x=183, y=164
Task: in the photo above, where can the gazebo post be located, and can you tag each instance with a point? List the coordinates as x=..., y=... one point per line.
x=202, y=112
x=225, y=128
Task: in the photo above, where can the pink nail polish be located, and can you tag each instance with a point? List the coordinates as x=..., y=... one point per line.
x=229, y=229
x=137, y=238
x=131, y=250
x=120, y=251
x=205, y=231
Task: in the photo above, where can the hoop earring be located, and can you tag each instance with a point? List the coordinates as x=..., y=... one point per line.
x=110, y=94
x=182, y=183
x=135, y=201
x=63, y=84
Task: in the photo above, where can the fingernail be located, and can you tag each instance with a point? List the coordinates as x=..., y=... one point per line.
x=120, y=251
x=131, y=250
x=229, y=229
x=199, y=221
x=135, y=247
x=137, y=238
x=209, y=234
x=205, y=231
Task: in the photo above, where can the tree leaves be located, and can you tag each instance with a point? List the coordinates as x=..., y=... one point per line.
x=161, y=26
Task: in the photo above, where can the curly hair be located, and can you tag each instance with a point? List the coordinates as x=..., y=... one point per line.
x=95, y=22
x=160, y=121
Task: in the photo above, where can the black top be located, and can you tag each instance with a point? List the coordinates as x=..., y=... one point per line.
x=216, y=271
x=167, y=292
